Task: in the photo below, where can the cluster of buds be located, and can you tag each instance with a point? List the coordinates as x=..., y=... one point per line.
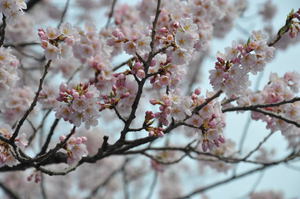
x=6, y=151
x=37, y=176
x=119, y=91
x=174, y=106
x=136, y=42
x=277, y=90
x=8, y=70
x=231, y=73
x=55, y=41
x=209, y=122
x=79, y=105
x=75, y=148
x=138, y=70
x=149, y=120
x=295, y=24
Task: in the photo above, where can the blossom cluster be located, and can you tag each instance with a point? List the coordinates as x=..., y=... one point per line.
x=165, y=74
x=208, y=122
x=16, y=104
x=12, y=8
x=121, y=95
x=8, y=70
x=78, y=105
x=278, y=89
x=295, y=24
x=225, y=150
x=172, y=105
x=22, y=30
x=47, y=97
x=6, y=151
x=75, y=148
x=182, y=29
x=231, y=73
x=56, y=42
x=37, y=176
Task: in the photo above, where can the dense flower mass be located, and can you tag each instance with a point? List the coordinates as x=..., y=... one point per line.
x=56, y=42
x=16, y=104
x=231, y=73
x=142, y=113
x=7, y=156
x=278, y=89
x=78, y=105
x=12, y=8
x=208, y=122
x=8, y=70
x=75, y=148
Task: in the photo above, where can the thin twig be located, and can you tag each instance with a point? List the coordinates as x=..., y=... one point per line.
x=111, y=13
x=43, y=188
x=152, y=186
x=8, y=191
x=232, y=178
x=259, y=145
x=63, y=14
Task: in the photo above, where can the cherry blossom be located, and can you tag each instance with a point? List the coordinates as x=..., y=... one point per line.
x=231, y=73
x=75, y=148
x=78, y=105
x=12, y=8
x=129, y=77
x=7, y=154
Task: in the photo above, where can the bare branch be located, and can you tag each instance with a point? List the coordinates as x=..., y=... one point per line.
x=33, y=104
x=111, y=13
x=64, y=13
x=2, y=30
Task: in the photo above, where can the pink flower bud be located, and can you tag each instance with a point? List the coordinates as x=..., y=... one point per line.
x=154, y=101
x=62, y=138
x=141, y=74
x=197, y=91
x=221, y=139
x=164, y=80
x=83, y=139
x=153, y=62
x=78, y=140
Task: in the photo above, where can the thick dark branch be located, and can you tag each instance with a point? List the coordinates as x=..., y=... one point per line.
x=33, y=104
x=154, y=26
x=143, y=81
x=2, y=30
x=244, y=108
x=57, y=147
x=31, y=4
x=277, y=116
x=207, y=101
x=48, y=139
